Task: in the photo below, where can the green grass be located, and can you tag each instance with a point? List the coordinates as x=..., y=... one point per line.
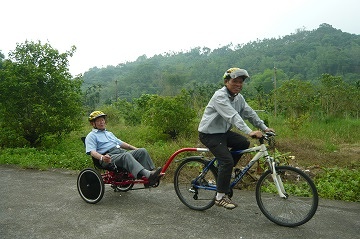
x=329, y=131
x=66, y=155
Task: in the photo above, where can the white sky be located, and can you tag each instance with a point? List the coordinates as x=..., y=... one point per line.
x=109, y=32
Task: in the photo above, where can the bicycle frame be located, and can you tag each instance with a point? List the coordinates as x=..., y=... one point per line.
x=261, y=152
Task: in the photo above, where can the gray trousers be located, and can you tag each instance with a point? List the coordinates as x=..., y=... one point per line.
x=133, y=161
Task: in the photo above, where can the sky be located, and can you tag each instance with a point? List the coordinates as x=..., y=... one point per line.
x=110, y=32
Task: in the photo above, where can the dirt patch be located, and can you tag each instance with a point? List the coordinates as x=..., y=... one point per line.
x=306, y=155
x=314, y=154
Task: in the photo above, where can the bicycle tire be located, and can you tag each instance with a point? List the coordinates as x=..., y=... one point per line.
x=185, y=174
x=301, y=200
x=121, y=177
x=90, y=185
x=124, y=188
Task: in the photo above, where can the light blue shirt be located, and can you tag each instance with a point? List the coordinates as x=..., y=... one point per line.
x=101, y=141
x=224, y=111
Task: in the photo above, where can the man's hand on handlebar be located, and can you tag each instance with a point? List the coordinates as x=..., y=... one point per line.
x=270, y=130
x=256, y=134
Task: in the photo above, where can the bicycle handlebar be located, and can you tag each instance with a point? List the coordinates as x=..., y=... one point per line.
x=267, y=136
x=270, y=134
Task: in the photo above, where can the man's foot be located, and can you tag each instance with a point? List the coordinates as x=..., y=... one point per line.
x=225, y=202
x=154, y=176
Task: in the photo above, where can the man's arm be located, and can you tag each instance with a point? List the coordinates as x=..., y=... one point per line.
x=106, y=158
x=125, y=145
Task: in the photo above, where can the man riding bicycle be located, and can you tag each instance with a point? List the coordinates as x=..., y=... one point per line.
x=225, y=109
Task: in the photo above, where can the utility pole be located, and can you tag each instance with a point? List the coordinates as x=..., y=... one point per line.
x=116, y=89
x=275, y=104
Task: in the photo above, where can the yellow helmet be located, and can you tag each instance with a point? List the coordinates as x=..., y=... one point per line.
x=96, y=114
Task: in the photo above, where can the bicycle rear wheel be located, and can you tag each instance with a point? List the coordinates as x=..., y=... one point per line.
x=188, y=179
x=300, y=203
x=90, y=185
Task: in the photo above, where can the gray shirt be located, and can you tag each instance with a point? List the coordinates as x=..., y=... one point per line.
x=224, y=111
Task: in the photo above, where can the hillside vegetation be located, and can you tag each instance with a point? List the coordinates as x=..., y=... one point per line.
x=303, y=55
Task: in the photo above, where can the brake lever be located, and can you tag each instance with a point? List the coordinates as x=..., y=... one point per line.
x=270, y=133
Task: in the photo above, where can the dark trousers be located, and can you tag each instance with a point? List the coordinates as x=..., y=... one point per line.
x=219, y=145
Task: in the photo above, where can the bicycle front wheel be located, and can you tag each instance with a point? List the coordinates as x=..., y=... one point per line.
x=300, y=200
x=195, y=187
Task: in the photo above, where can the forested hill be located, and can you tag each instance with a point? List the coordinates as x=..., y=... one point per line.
x=304, y=55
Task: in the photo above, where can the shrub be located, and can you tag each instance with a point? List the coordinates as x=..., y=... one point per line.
x=339, y=183
x=170, y=115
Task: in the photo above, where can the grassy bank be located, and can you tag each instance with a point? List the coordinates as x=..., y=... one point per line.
x=329, y=149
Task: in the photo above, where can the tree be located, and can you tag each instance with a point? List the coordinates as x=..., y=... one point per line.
x=1, y=59
x=92, y=96
x=337, y=98
x=170, y=115
x=296, y=98
x=39, y=97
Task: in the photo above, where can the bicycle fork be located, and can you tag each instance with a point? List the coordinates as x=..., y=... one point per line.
x=277, y=179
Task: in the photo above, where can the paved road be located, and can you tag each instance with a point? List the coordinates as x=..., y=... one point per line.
x=46, y=204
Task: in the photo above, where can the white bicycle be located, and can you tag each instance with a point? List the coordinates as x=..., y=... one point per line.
x=285, y=195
